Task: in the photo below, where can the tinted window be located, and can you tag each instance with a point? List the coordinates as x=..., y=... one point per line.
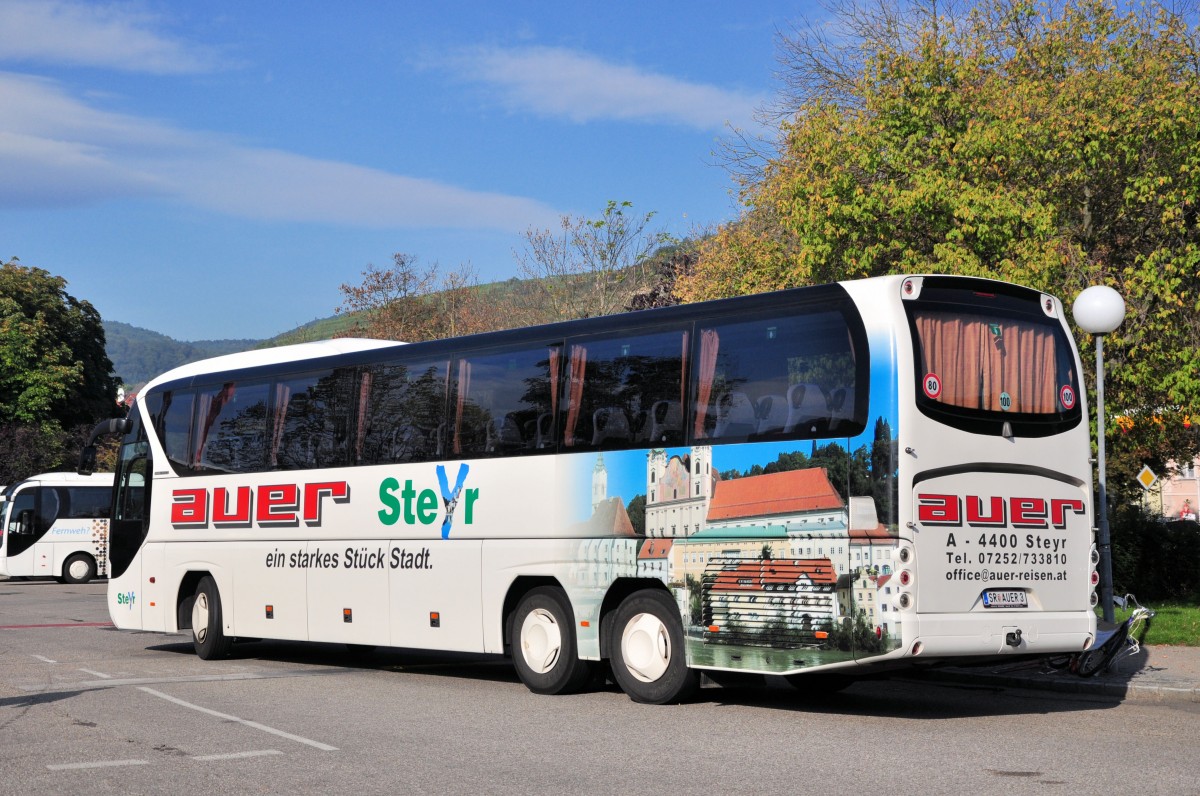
x=231, y=427
x=172, y=414
x=625, y=391
x=310, y=425
x=503, y=402
x=799, y=375
x=404, y=413
x=83, y=502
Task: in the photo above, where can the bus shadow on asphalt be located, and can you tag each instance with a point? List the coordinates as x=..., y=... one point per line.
x=901, y=695
x=461, y=665
x=909, y=697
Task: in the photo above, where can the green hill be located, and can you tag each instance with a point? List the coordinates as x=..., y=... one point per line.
x=139, y=355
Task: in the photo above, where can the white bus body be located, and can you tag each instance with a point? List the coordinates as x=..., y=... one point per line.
x=835, y=480
x=56, y=525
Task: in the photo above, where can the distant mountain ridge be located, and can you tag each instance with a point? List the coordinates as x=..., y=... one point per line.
x=139, y=355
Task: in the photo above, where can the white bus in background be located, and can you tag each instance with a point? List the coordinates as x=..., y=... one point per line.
x=818, y=483
x=56, y=525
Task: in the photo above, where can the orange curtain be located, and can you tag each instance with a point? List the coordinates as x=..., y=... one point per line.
x=212, y=410
x=555, y=356
x=709, y=343
x=577, y=367
x=283, y=394
x=464, y=384
x=978, y=360
x=360, y=432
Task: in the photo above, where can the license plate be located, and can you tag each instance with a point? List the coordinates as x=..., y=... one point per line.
x=995, y=598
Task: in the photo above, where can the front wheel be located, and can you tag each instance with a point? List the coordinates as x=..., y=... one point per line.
x=79, y=568
x=648, y=658
x=544, y=650
x=208, y=633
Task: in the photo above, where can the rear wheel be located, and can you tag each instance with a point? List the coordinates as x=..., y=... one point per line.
x=543, y=650
x=208, y=633
x=79, y=568
x=648, y=658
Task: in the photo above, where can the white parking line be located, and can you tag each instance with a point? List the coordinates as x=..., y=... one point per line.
x=43, y=659
x=317, y=744
x=238, y=755
x=99, y=764
x=101, y=675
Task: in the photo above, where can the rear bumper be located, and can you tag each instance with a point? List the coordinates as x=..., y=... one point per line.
x=958, y=635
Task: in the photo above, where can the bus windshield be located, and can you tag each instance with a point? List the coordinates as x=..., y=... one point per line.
x=985, y=357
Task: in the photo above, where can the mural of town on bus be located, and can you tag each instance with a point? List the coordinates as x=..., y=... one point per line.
x=780, y=555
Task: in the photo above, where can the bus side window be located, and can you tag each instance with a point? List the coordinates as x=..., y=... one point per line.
x=310, y=420
x=625, y=391
x=21, y=513
x=500, y=399
x=787, y=376
x=403, y=415
x=173, y=424
x=231, y=428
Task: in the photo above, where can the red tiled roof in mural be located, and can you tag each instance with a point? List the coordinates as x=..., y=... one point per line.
x=774, y=494
x=653, y=549
x=756, y=575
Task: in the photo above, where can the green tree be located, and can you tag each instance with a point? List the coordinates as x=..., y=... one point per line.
x=637, y=514
x=1050, y=145
x=54, y=372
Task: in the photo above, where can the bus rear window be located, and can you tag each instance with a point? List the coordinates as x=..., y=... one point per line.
x=985, y=358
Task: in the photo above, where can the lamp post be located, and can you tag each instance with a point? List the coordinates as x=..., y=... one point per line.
x=1099, y=310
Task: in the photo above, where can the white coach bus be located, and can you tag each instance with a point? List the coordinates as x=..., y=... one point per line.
x=818, y=483
x=56, y=525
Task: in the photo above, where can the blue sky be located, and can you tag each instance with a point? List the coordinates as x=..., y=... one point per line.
x=218, y=169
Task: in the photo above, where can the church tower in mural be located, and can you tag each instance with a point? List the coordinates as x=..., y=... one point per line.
x=678, y=491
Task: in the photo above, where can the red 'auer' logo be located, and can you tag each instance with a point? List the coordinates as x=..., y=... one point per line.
x=269, y=505
x=996, y=511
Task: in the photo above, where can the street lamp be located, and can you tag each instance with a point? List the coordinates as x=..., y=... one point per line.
x=1099, y=310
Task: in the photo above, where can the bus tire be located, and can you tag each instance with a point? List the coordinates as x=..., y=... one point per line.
x=543, y=648
x=649, y=661
x=208, y=634
x=79, y=568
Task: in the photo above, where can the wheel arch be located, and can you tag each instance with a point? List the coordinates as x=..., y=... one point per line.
x=184, y=597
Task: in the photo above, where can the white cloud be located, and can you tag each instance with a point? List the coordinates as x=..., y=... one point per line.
x=581, y=87
x=93, y=34
x=56, y=149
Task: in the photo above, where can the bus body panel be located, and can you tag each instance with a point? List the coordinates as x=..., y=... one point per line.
x=436, y=596
x=126, y=596
x=272, y=600
x=345, y=605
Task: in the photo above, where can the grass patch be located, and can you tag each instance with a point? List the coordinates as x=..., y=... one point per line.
x=1175, y=624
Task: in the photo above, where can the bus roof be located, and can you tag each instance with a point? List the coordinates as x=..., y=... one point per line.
x=64, y=479
x=270, y=356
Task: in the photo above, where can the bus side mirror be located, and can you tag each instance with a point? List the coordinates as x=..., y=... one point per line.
x=87, y=456
x=87, y=461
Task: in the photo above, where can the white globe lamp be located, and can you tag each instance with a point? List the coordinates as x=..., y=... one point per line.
x=1099, y=309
